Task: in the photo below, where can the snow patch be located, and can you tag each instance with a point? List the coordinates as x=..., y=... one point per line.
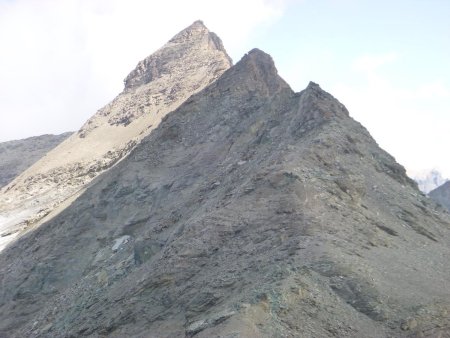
x=119, y=242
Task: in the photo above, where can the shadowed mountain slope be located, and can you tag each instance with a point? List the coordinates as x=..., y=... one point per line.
x=251, y=211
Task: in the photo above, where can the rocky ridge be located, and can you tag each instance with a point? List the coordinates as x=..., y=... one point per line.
x=191, y=60
x=18, y=155
x=250, y=211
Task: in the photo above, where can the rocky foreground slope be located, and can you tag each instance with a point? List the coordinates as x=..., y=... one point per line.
x=250, y=211
x=18, y=155
x=191, y=60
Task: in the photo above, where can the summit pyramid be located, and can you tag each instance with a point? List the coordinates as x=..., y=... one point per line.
x=249, y=211
x=191, y=60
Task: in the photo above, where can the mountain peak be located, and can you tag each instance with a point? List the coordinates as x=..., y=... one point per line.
x=197, y=28
x=188, y=48
x=158, y=85
x=318, y=105
x=257, y=59
x=429, y=180
x=255, y=71
x=313, y=85
x=258, y=53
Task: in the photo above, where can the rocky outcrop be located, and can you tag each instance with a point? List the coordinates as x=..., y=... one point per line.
x=18, y=155
x=442, y=195
x=250, y=211
x=193, y=59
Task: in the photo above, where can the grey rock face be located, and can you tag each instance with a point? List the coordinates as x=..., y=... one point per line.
x=251, y=211
x=18, y=155
x=442, y=195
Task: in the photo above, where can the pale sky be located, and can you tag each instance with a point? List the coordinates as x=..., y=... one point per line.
x=387, y=61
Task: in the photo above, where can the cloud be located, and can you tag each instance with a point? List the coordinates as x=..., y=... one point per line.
x=62, y=60
x=434, y=90
x=371, y=63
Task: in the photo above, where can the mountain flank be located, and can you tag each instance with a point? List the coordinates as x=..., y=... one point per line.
x=250, y=211
x=191, y=60
x=18, y=155
x=442, y=195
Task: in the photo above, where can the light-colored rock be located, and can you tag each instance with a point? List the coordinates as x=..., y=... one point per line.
x=119, y=242
x=196, y=327
x=409, y=324
x=213, y=320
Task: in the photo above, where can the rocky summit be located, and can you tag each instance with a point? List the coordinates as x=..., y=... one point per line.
x=191, y=60
x=250, y=211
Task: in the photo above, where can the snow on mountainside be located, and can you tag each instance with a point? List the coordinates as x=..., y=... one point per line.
x=429, y=180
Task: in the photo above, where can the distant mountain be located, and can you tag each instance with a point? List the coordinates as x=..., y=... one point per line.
x=442, y=195
x=191, y=60
x=18, y=155
x=250, y=211
x=428, y=181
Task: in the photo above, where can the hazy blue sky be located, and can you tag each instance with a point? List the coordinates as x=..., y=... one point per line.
x=387, y=61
